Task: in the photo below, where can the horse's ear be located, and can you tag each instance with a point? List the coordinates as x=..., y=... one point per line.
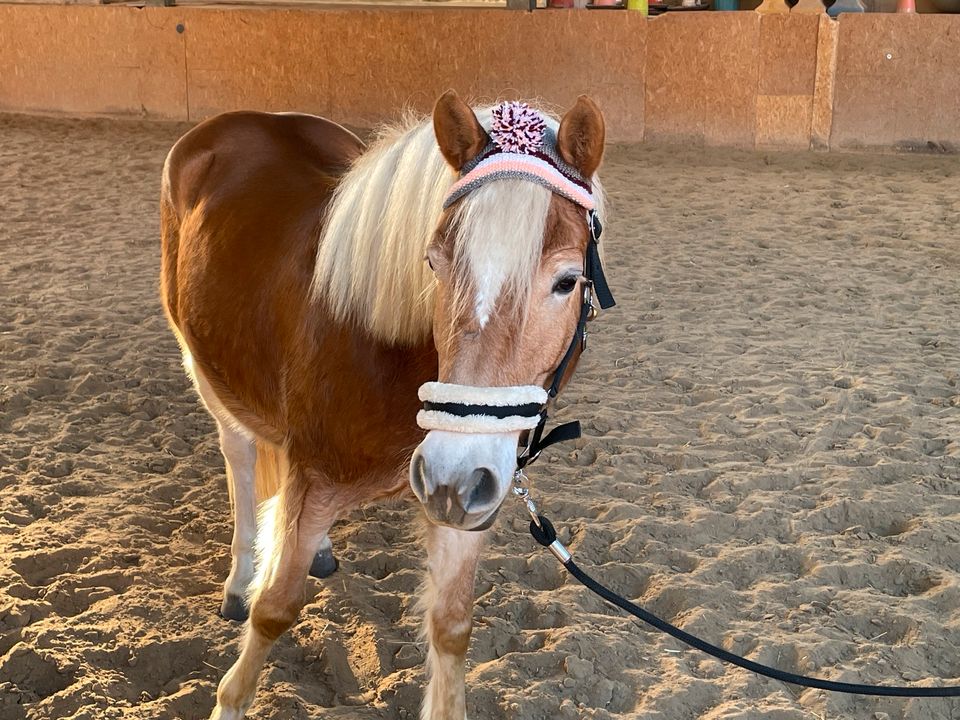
x=460, y=135
x=581, y=135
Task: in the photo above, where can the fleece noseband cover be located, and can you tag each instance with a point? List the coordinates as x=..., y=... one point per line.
x=468, y=409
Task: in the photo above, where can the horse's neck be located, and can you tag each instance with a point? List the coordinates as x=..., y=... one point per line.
x=352, y=399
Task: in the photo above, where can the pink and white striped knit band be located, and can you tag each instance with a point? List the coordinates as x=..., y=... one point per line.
x=523, y=147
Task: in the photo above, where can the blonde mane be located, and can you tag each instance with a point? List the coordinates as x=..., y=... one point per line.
x=371, y=267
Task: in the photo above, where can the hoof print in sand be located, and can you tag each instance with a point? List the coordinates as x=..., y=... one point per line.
x=31, y=677
x=41, y=568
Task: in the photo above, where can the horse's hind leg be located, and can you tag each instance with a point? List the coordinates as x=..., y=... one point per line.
x=240, y=457
x=271, y=469
x=239, y=448
x=324, y=563
x=451, y=562
x=291, y=532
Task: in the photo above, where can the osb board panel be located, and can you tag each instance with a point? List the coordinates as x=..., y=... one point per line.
x=822, y=120
x=784, y=121
x=77, y=59
x=679, y=77
x=701, y=82
x=788, y=54
x=896, y=81
x=53, y=2
x=361, y=67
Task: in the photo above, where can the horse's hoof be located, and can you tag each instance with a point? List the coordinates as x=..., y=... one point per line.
x=234, y=608
x=220, y=713
x=324, y=564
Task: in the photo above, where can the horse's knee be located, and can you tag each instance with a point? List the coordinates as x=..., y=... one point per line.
x=271, y=616
x=449, y=635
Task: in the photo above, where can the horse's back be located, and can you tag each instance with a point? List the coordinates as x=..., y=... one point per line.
x=251, y=184
x=242, y=201
x=226, y=156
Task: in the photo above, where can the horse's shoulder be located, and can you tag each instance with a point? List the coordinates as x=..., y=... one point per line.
x=230, y=151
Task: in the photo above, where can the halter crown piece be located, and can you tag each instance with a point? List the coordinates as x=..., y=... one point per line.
x=522, y=146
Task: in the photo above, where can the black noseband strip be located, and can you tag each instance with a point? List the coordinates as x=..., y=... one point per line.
x=497, y=411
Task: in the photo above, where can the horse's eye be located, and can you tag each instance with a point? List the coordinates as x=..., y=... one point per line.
x=429, y=262
x=565, y=285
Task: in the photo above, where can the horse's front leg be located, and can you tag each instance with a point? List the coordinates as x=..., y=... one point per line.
x=451, y=564
x=294, y=526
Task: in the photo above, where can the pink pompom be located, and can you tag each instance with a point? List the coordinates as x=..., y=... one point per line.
x=517, y=128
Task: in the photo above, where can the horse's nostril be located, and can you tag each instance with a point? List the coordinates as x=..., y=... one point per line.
x=418, y=477
x=483, y=488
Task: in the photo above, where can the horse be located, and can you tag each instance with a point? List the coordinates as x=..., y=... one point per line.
x=321, y=290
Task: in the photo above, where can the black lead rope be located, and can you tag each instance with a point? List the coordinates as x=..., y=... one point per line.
x=546, y=535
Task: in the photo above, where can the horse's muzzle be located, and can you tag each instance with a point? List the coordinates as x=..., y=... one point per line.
x=462, y=500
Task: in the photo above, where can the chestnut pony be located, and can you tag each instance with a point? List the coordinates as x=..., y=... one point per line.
x=314, y=285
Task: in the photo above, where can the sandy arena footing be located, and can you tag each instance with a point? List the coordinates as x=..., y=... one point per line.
x=770, y=459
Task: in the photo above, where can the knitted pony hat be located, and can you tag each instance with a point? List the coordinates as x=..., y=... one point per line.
x=524, y=147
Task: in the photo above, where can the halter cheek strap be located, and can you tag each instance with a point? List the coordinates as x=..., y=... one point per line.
x=595, y=283
x=468, y=409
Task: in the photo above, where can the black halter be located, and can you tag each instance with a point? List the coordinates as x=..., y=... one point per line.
x=595, y=282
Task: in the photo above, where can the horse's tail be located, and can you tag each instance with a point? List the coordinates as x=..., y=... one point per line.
x=270, y=470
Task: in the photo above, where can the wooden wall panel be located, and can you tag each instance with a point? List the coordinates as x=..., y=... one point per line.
x=701, y=82
x=601, y=54
x=718, y=78
x=788, y=54
x=896, y=81
x=786, y=80
x=784, y=121
x=361, y=65
x=79, y=59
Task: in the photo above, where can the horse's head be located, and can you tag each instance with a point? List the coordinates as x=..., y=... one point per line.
x=509, y=257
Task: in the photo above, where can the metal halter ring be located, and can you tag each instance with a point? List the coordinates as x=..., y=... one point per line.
x=588, y=300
